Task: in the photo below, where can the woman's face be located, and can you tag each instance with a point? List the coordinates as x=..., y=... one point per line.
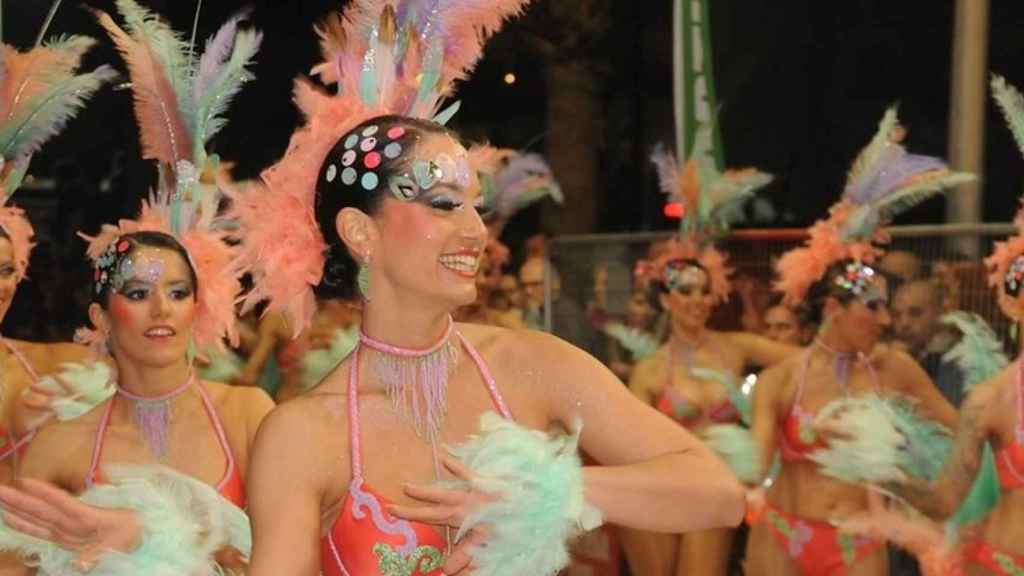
x=8, y=276
x=149, y=318
x=782, y=325
x=864, y=320
x=432, y=246
x=639, y=310
x=689, y=298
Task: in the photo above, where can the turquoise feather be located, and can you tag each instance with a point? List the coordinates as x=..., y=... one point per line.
x=979, y=353
x=639, y=343
x=736, y=446
x=539, y=482
x=214, y=102
x=880, y=440
x=1011, y=103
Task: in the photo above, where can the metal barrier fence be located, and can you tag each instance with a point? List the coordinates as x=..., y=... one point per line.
x=941, y=248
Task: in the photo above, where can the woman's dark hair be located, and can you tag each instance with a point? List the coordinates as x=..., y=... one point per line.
x=4, y=234
x=356, y=174
x=145, y=239
x=802, y=312
x=827, y=287
x=658, y=286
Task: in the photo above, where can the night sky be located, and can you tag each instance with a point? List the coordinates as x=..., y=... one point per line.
x=801, y=85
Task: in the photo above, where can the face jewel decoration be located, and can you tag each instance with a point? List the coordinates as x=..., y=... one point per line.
x=114, y=268
x=429, y=173
x=1014, y=278
x=685, y=277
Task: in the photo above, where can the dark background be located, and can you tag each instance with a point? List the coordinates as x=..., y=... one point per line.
x=801, y=85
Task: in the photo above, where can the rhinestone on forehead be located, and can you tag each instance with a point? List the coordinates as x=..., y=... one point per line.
x=679, y=275
x=116, y=266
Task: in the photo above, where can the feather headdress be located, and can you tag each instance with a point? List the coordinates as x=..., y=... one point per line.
x=711, y=202
x=884, y=181
x=39, y=94
x=384, y=58
x=1001, y=262
x=513, y=180
x=179, y=102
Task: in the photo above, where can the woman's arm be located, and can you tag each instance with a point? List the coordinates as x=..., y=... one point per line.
x=766, y=411
x=655, y=475
x=940, y=499
x=270, y=332
x=284, y=483
x=759, y=350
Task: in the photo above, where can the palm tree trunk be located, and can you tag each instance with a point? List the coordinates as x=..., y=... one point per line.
x=572, y=138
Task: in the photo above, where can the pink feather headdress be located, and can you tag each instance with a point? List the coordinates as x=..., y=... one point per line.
x=1004, y=253
x=178, y=103
x=39, y=93
x=800, y=268
x=385, y=58
x=210, y=256
x=713, y=262
x=1011, y=103
x=20, y=232
x=883, y=181
x=710, y=200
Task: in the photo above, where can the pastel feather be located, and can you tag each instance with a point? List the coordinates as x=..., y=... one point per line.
x=162, y=129
x=37, y=120
x=1011, y=104
x=979, y=353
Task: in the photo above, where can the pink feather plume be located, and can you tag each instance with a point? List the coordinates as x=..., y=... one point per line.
x=27, y=74
x=161, y=127
x=20, y=232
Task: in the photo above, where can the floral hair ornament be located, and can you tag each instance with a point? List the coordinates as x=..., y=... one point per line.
x=884, y=181
x=1006, y=263
x=711, y=202
x=39, y=93
x=179, y=101
x=384, y=59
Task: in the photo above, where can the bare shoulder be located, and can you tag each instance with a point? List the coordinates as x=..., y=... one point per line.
x=60, y=451
x=516, y=346
x=241, y=398
x=305, y=436
x=779, y=380
x=895, y=359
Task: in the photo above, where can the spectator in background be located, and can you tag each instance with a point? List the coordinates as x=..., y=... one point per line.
x=787, y=325
x=917, y=310
x=903, y=265
x=568, y=319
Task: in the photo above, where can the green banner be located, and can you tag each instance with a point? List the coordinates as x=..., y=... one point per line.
x=693, y=80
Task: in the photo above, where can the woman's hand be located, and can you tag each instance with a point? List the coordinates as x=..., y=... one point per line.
x=41, y=510
x=449, y=507
x=35, y=407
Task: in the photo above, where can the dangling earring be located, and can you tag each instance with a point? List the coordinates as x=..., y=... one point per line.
x=363, y=278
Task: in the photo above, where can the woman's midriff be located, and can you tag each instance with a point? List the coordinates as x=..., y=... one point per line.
x=803, y=491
